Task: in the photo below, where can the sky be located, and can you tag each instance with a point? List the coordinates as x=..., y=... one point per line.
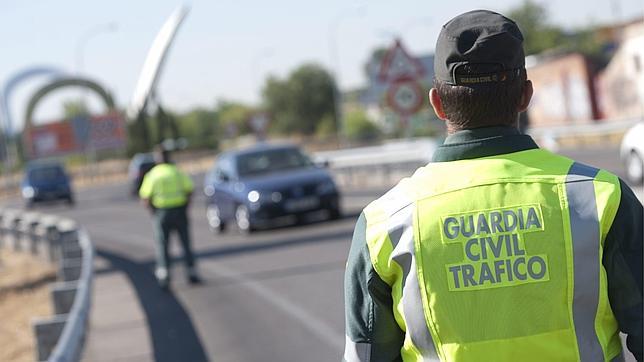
x=225, y=48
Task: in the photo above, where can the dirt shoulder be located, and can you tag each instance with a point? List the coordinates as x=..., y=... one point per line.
x=24, y=294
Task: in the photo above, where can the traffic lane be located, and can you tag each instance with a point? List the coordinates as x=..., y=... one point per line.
x=279, y=264
x=296, y=274
x=250, y=308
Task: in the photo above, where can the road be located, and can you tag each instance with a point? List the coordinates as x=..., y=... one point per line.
x=271, y=296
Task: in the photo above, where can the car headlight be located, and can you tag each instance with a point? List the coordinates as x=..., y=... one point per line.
x=209, y=190
x=326, y=187
x=28, y=192
x=264, y=196
x=253, y=196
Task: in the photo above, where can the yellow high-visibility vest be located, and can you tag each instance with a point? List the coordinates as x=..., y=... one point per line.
x=499, y=259
x=166, y=186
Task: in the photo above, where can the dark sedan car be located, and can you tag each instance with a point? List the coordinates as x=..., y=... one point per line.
x=261, y=186
x=140, y=164
x=46, y=181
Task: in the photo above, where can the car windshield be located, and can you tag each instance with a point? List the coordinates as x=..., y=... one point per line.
x=271, y=161
x=48, y=173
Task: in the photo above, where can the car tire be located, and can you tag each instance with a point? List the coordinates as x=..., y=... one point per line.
x=635, y=168
x=335, y=213
x=213, y=216
x=70, y=201
x=242, y=219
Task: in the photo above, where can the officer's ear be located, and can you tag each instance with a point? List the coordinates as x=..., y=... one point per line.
x=526, y=96
x=437, y=104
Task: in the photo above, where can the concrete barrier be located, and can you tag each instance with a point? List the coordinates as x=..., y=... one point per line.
x=59, y=338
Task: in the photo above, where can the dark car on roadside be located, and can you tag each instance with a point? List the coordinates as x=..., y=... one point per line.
x=267, y=185
x=140, y=164
x=46, y=181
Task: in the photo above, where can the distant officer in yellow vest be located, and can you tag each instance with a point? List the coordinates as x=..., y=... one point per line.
x=497, y=250
x=166, y=191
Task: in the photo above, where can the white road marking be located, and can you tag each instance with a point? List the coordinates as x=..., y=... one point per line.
x=316, y=326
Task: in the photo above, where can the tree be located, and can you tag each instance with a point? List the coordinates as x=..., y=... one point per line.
x=359, y=127
x=234, y=115
x=73, y=108
x=538, y=33
x=200, y=127
x=301, y=102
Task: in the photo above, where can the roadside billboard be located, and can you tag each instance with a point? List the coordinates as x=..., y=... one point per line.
x=77, y=135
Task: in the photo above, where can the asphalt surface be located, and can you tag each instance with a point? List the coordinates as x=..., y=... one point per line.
x=272, y=296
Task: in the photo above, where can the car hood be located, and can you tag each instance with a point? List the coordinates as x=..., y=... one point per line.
x=285, y=179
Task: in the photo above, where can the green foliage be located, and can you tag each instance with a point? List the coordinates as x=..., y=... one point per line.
x=200, y=127
x=538, y=33
x=235, y=115
x=358, y=127
x=326, y=127
x=73, y=108
x=301, y=102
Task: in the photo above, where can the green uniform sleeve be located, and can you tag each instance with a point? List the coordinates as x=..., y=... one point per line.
x=623, y=263
x=372, y=333
x=145, y=192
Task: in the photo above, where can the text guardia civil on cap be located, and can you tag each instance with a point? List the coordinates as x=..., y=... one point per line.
x=478, y=47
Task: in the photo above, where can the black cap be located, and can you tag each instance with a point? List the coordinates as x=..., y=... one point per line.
x=490, y=43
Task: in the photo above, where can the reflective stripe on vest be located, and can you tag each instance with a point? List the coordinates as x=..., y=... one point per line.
x=402, y=239
x=584, y=227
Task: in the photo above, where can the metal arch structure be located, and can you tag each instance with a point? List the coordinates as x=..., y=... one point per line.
x=153, y=65
x=6, y=122
x=13, y=82
x=64, y=83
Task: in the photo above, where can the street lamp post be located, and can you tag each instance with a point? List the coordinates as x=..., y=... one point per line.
x=84, y=39
x=335, y=65
x=81, y=44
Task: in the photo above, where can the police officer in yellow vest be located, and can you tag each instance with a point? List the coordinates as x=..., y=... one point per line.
x=166, y=191
x=497, y=250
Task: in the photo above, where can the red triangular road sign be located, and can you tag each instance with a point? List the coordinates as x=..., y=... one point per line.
x=398, y=64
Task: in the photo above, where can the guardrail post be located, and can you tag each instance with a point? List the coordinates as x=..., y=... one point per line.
x=27, y=226
x=47, y=332
x=15, y=231
x=52, y=241
x=62, y=296
x=33, y=235
x=70, y=269
x=2, y=227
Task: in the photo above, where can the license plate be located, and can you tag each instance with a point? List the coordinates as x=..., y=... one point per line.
x=304, y=203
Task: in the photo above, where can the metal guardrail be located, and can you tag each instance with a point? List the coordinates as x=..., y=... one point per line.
x=70, y=343
x=378, y=165
x=59, y=338
x=596, y=128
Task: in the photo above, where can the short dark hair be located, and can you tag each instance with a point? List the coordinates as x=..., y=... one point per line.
x=484, y=105
x=162, y=154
